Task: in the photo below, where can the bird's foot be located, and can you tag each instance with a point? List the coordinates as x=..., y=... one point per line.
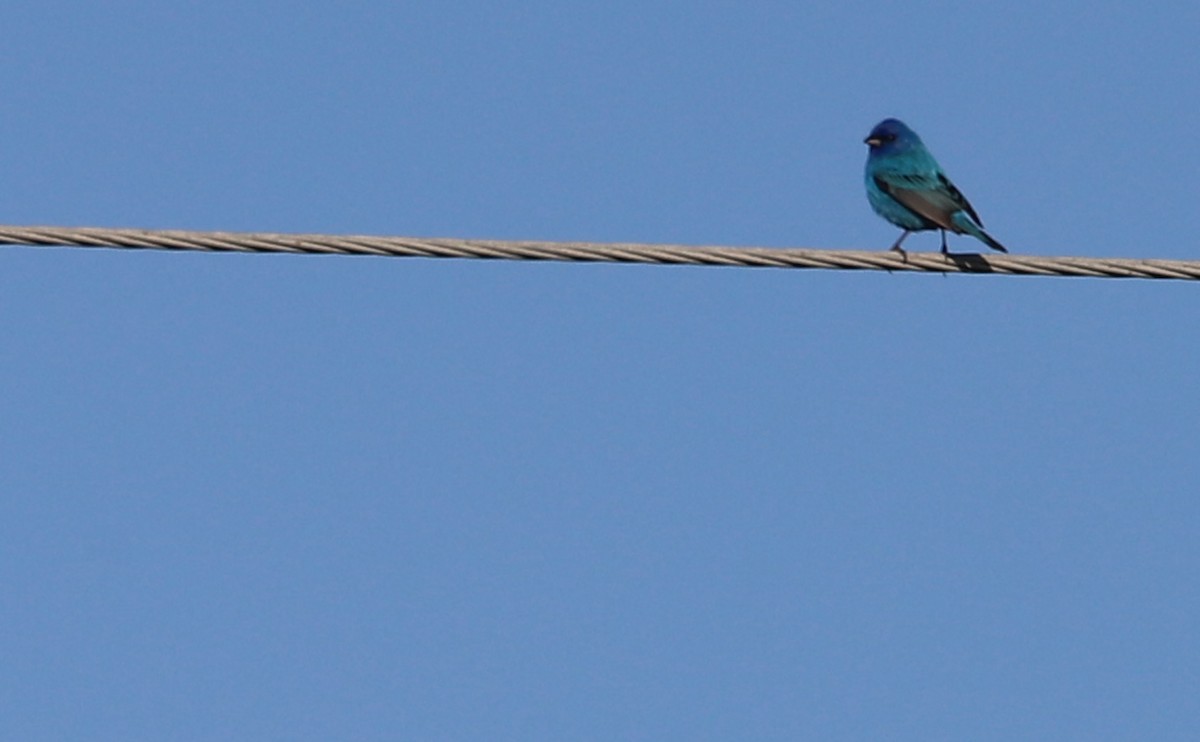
x=901, y=250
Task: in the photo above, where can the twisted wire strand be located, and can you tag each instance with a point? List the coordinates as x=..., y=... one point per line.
x=755, y=257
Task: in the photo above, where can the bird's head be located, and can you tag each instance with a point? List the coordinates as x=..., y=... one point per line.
x=892, y=135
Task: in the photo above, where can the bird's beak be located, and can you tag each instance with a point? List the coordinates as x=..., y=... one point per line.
x=873, y=142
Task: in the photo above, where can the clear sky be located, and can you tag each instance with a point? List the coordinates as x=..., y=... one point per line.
x=315, y=498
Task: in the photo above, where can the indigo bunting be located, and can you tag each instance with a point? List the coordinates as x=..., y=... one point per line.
x=906, y=186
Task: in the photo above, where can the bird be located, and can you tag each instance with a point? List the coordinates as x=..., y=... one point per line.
x=906, y=186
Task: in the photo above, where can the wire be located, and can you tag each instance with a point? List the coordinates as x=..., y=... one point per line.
x=755, y=257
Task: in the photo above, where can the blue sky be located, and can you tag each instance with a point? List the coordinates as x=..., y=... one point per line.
x=282, y=497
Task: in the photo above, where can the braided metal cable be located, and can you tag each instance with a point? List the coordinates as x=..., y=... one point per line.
x=758, y=257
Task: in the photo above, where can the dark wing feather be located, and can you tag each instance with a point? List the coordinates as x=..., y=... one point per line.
x=935, y=199
x=960, y=199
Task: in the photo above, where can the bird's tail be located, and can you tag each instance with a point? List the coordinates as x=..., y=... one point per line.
x=963, y=221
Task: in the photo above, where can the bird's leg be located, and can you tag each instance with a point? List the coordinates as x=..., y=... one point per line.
x=896, y=247
x=945, y=250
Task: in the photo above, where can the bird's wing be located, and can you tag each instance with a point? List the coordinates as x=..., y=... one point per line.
x=933, y=197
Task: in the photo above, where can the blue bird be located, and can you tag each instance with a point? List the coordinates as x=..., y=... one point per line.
x=906, y=186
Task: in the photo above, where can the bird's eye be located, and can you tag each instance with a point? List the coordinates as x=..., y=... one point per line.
x=888, y=137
